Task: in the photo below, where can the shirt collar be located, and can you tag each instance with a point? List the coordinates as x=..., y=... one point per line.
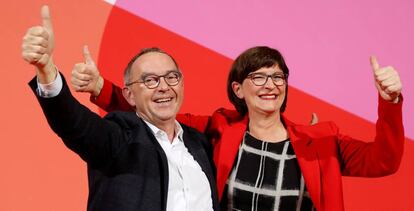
x=155, y=130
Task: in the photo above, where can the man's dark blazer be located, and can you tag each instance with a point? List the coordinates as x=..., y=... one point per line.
x=127, y=168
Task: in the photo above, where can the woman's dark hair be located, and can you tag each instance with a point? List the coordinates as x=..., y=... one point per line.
x=249, y=61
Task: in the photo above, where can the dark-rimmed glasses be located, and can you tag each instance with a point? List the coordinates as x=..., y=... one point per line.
x=152, y=81
x=260, y=79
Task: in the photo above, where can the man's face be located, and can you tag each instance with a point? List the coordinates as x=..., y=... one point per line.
x=161, y=104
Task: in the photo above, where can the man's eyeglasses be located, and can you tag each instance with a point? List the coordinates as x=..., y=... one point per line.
x=152, y=81
x=260, y=79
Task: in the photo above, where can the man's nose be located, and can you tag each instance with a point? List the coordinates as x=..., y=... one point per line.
x=163, y=84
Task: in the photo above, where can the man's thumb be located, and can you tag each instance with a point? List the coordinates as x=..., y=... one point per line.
x=47, y=21
x=87, y=56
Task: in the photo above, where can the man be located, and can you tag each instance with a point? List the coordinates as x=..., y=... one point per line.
x=142, y=160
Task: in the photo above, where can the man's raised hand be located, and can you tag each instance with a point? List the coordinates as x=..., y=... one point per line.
x=38, y=45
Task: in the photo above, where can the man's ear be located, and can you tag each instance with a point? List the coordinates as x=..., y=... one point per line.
x=237, y=89
x=129, y=97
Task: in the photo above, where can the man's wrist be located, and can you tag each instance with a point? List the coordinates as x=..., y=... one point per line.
x=46, y=74
x=52, y=89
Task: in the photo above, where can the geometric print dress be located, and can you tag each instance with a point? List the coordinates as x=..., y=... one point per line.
x=265, y=176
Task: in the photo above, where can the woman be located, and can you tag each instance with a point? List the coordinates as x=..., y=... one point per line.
x=266, y=162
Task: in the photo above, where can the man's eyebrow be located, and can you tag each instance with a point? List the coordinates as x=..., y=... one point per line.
x=145, y=74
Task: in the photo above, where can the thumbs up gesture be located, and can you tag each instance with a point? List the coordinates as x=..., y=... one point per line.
x=38, y=45
x=85, y=76
x=387, y=81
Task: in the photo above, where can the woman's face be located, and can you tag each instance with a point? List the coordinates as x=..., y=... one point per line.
x=266, y=98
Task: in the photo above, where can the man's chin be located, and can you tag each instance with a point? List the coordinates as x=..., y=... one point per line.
x=165, y=116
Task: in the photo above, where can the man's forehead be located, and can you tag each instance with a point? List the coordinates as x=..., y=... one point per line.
x=154, y=58
x=154, y=63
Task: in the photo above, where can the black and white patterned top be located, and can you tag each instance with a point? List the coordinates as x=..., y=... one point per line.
x=265, y=176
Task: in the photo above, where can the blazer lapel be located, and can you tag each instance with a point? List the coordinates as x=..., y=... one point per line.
x=226, y=151
x=197, y=151
x=307, y=157
x=164, y=161
x=199, y=154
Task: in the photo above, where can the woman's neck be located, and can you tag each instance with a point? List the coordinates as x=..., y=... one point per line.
x=267, y=127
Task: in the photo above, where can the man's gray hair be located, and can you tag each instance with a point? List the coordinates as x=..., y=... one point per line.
x=143, y=51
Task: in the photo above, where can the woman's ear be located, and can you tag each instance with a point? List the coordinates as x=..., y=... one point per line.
x=127, y=93
x=237, y=89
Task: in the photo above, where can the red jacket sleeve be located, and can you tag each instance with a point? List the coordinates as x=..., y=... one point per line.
x=198, y=122
x=111, y=98
x=381, y=157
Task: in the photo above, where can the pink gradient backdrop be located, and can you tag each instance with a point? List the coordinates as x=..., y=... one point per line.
x=327, y=44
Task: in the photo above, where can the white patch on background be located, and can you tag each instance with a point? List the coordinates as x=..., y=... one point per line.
x=110, y=1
